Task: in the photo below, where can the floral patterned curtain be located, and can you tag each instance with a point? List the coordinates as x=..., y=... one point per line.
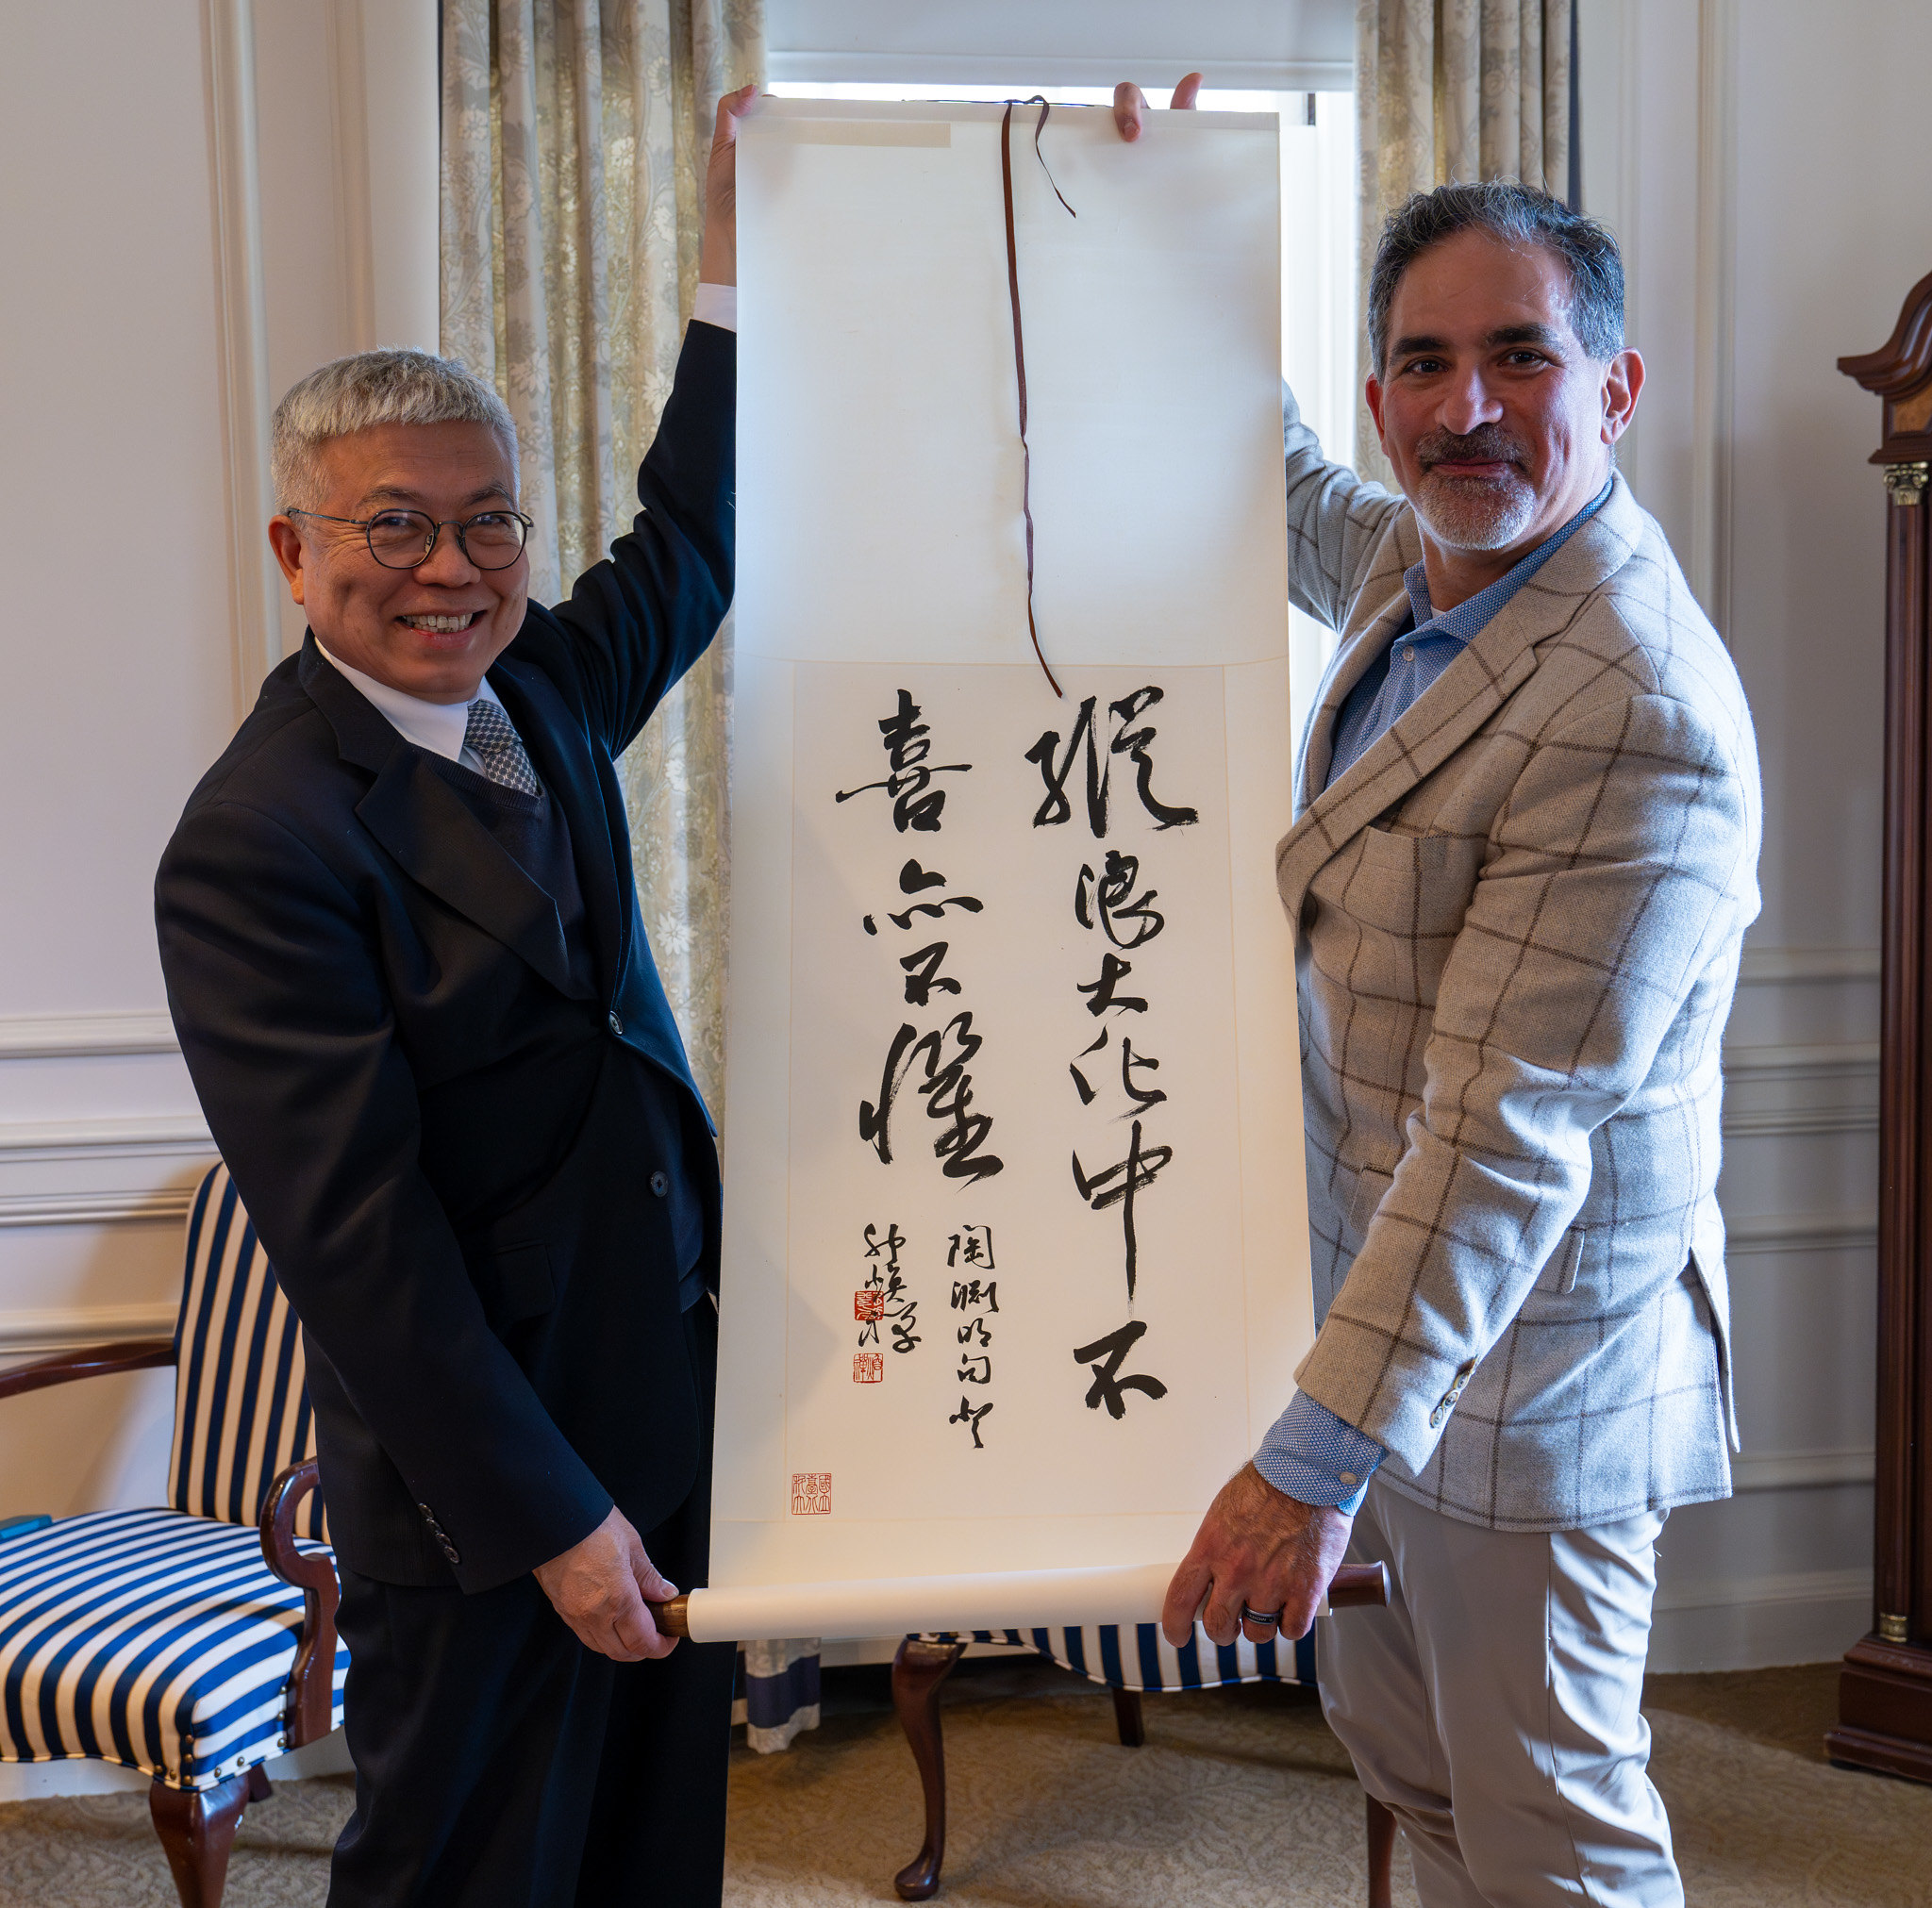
x=574, y=135
x=1449, y=91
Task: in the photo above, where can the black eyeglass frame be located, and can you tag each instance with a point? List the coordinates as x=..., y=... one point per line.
x=367, y=526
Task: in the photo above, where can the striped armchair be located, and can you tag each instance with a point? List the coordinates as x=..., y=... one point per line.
x=1128, y=1663
x=196, y=1640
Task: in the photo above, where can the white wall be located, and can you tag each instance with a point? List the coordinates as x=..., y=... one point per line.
x=118, y=311
x=1748, y=152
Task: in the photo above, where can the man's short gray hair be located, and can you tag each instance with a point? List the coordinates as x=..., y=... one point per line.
x=394, y=387
x=1518, y=215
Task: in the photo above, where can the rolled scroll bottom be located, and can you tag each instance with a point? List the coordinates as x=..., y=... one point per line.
x=1003, y=1599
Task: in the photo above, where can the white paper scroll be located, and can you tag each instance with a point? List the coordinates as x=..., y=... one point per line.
x=998, y=1024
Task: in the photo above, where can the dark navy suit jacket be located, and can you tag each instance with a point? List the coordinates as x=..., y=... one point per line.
x=445, y=1148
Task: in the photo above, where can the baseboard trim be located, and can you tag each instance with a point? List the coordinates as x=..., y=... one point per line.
x=1758, y=1622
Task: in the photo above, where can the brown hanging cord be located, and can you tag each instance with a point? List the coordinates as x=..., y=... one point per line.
x=1019, y=342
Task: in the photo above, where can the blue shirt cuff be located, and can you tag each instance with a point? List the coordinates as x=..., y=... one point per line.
x=1317, y=1458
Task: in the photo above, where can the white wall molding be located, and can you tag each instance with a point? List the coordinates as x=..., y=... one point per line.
x=1803, y=1469
x=67, y=1328
x=1798, y=1586
x=1804, y=1232
x=254, y=584
x=1786, y=1092
x=112, y=1032
x=1798, y=966
x=101, y=1171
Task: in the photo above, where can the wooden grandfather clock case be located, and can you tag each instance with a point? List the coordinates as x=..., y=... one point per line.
x=1885, y=1691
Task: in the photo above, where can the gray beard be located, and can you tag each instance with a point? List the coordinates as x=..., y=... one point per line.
x=1462, y=513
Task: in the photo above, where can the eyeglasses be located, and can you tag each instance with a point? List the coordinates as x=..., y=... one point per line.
x=402, y=540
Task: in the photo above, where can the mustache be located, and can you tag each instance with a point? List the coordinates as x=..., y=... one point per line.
x=1488, y=445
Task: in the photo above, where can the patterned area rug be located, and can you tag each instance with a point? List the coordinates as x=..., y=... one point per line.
x=1239, y=1799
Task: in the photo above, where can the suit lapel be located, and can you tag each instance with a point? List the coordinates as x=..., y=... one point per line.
x=1352, y=661
x=415, y=814
x=1498, y=662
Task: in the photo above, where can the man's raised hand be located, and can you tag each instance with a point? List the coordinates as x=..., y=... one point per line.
x=1130, y=103
x=718, y=259
x=1260, y=1548
x=598, y=1587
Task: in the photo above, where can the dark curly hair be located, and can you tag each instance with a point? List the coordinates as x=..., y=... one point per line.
x=1519, y=215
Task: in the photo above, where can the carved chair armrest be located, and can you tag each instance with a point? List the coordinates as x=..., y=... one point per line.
x=136, y=1354
x=311, y=1683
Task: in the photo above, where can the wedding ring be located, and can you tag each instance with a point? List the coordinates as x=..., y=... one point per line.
x=1263, y=1617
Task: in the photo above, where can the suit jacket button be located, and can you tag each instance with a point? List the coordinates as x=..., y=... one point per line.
x=660, y=1183
x=614, y=1020
x=1310, y=910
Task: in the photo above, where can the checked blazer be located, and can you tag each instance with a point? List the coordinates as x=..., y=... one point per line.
x=1520, y=915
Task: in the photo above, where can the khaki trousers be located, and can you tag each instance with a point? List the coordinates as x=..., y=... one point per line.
x=1493, y=1707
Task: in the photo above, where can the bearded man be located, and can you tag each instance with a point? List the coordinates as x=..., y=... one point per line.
x=1521, y=865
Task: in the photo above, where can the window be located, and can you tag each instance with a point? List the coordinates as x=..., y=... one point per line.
x=1317, y=252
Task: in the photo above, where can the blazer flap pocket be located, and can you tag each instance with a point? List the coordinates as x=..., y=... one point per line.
x=1559, y=1274
x=514, y=1282
x=1369, y=1185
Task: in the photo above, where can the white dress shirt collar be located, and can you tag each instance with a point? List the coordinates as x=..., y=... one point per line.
x=439, y=727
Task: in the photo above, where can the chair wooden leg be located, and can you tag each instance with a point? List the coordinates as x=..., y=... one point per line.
x=918, y=1670
x=197, y=1829
x=1381, y=1853
x=1128, y=1720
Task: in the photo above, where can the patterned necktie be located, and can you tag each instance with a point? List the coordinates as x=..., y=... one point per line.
x=499, y=748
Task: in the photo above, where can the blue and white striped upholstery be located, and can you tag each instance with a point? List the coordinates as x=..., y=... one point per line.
x=151, y=1639
x=1145, y=1659
x=241, y=1411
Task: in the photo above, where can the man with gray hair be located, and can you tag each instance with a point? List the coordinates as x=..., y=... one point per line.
x=403, y=956
x=1521, y=865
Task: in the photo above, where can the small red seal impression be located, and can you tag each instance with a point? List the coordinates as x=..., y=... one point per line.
x=811, y=1493
x=868, y=1368
x=869, y=1308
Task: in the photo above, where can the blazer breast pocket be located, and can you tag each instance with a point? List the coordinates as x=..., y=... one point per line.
x=514, y=1284
x=1414, y=885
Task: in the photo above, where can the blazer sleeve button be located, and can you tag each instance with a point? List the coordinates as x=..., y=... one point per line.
x=660, y=1183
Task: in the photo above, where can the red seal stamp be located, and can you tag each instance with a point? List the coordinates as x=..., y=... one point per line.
x=868, y=1306
x=868, y=1368
x=811, y=1493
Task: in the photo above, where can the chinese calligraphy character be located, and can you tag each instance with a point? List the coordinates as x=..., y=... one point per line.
x=1132, y=743
x=947, y=1090
x=970, y=1414
x=916, y=804
x=1120, y=1185
x=1108, y=1385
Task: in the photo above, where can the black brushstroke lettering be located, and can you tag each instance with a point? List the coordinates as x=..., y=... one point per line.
x=1113, y=970
x=1108, y=1385
x=1134, y=744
